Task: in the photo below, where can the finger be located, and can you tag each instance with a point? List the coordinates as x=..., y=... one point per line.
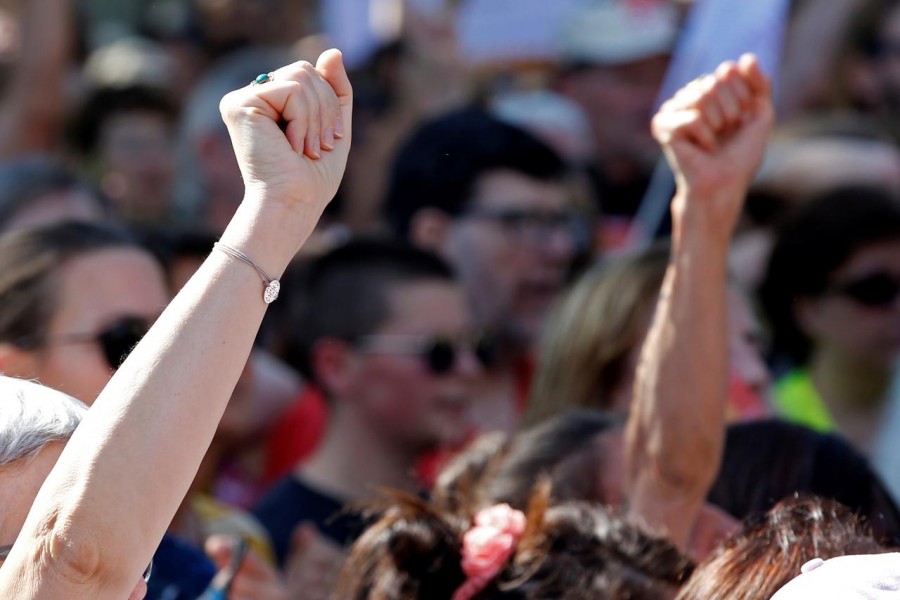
x=331, y=66
x=725, y=99
x=689, y=95
x=281, y=101
x=292, y=104
x=740, y=89
x=303, y=74
x=219, y=549
x=301, y=538
x=329, y=109
x=710, y=109
x=312, y=142
x=686, y=125
x=697, y=131
x=752, y=74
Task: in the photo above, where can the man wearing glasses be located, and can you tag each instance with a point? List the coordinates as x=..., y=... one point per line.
x=492, y=200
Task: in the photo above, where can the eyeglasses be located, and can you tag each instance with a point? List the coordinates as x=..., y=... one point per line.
x=532, y=226
x=4, y=553
x=117, y=340
x=875, y=290
x=440, y=354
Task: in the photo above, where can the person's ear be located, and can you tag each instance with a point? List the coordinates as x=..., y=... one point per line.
x=333, y=362
x=17, y=362
x=429, y=229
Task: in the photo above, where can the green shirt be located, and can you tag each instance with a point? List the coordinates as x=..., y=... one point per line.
x=796, y=400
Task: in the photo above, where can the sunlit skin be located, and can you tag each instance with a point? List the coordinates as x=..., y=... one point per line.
x=603, y=462
x=398, y=392
x=19, y=485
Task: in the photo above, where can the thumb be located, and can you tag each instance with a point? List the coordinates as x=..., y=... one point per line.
x=301, y=538
x=331, y=66
x=219, y=548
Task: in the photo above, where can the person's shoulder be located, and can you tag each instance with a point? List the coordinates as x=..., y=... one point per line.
x=285, y=491
x=295, y=497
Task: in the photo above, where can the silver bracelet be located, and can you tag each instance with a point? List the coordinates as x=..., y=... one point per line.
x=272, y=286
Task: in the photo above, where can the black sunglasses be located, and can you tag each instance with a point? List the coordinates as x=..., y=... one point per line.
x=4, y=552
x=876, y=290
x=116, y=340
x=440, y=354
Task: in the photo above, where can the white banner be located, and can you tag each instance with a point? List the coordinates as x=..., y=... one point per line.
x=719, y=30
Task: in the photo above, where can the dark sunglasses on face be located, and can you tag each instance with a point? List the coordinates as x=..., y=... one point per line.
x=4, y=552
x=116, y=340
x=440, y=354
x=875, y=290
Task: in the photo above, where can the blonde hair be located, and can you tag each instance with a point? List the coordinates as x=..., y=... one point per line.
x=591, y=332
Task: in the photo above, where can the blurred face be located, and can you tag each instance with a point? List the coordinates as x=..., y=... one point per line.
x=618, y=100
x=858, y=318
x=96, y=292
x=136, y=152
x=396, y=384
x=512, y=250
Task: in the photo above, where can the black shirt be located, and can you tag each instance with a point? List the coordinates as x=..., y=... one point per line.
x=291, y=502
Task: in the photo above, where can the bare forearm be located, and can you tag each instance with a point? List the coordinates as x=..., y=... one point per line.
x=675, y=433
x=713, y=132
x=30, y=122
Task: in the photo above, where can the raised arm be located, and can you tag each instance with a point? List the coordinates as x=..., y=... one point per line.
x=33, y=104
x=105, y=506
x=713, y=133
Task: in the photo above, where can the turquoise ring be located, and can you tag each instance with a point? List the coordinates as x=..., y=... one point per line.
x=262, y=78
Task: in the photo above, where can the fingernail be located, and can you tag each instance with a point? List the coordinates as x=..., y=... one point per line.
x=328, y=142
x=339, y=127
x=316, y=147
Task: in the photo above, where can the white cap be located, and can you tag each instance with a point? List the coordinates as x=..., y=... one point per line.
x=619, y=31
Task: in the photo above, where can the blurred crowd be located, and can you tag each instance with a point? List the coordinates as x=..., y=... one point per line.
x=465, y=325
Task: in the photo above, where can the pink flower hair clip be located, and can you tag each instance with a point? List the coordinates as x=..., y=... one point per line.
x=487, y=546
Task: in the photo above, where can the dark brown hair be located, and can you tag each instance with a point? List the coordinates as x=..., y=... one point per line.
x=573, y=550
x=30, y=260
x=510, y=471
x=772, y=547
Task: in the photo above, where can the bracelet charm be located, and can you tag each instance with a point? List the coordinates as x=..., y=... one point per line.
x=272, y=286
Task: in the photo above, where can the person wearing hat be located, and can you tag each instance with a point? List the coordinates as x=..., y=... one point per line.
x=614, y=57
